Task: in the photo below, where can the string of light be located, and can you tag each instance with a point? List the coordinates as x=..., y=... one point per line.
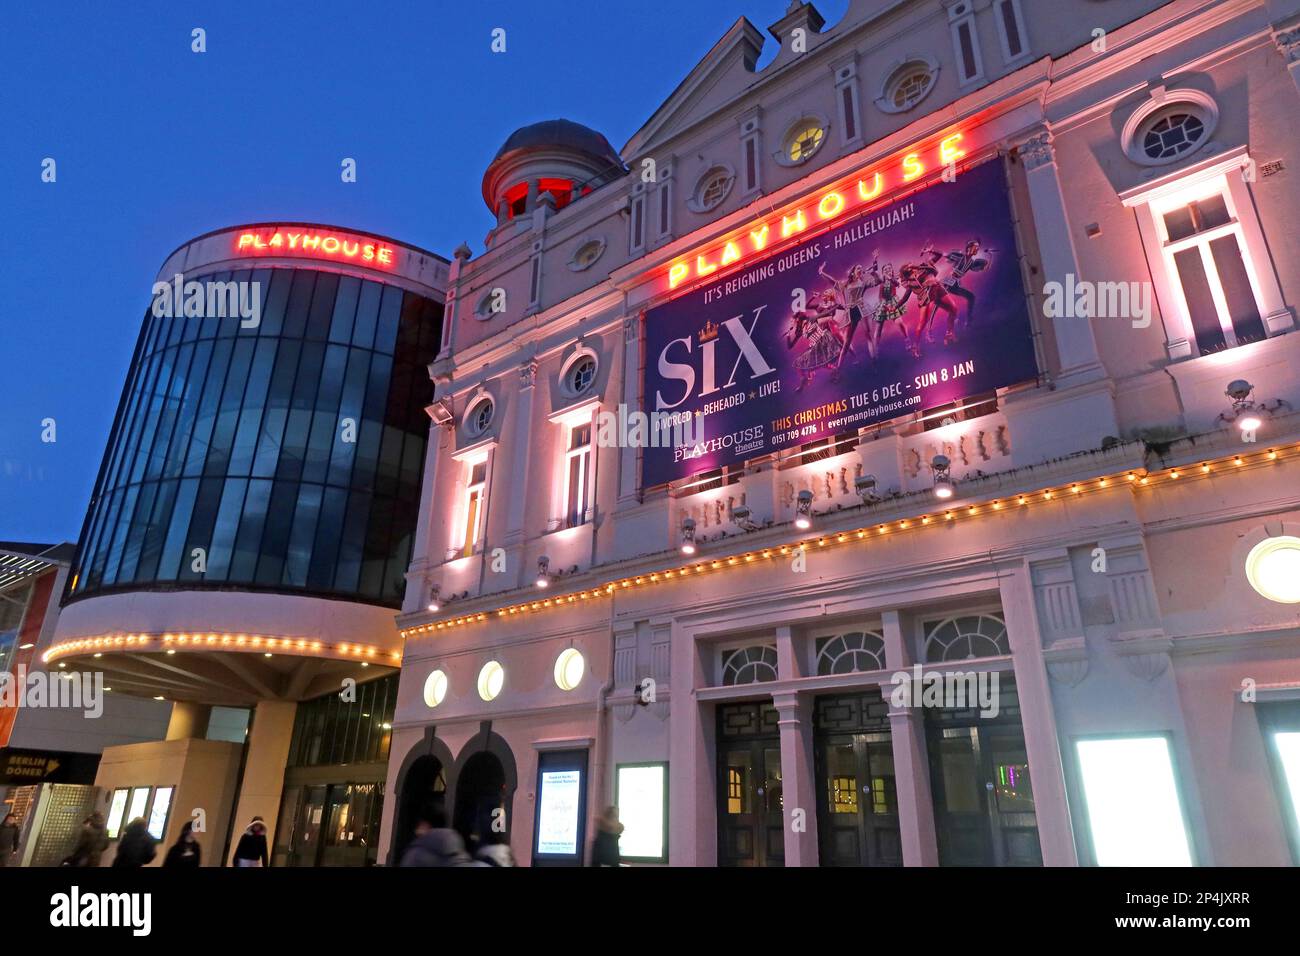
x=298, y=646
x=1133, y=479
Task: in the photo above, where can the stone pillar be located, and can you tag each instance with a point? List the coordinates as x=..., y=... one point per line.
x=798, y=780
x=263, y=782
x=911, y=763
x=520, y=460
x=1075, y=340
x=628, y=486
x=188, y=720
x=1038, y=719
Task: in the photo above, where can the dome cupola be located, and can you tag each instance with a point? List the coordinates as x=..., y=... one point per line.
x=558, y=156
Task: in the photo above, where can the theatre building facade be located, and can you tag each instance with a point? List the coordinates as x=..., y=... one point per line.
x=245, y=547
x=889, y=457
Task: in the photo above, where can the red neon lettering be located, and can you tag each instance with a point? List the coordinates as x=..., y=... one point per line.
x=319, y=244
x=831, y=204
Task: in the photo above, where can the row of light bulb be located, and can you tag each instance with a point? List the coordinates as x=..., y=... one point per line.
x=944, y=489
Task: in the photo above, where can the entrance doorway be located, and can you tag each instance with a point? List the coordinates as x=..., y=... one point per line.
x=750, y=800
x=481, y=790
x=423, y=789
x=332, y=825
x=857, y=808
x=983, y=797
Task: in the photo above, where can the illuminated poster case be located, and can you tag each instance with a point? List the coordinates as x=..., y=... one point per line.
x=641, y=795
x=560, y=821
x=910, y=305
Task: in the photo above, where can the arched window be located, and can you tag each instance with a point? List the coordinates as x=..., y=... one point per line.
x=755, y=664
x=850, y=653
x=967, y=637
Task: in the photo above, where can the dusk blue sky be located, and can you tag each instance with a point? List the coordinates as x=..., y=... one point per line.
x=156, y=144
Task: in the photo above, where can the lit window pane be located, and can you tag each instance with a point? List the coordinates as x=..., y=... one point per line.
x=1134, y=814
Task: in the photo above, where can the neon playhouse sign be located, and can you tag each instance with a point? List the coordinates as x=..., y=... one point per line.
x=846, y=196
x=315, y=245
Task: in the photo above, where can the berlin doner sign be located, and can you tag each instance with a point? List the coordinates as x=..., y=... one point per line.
x=911, y=305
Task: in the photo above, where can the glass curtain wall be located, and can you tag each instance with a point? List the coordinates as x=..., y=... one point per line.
x=284, y=455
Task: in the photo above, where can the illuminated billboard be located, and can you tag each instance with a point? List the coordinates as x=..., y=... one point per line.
x=911, y=305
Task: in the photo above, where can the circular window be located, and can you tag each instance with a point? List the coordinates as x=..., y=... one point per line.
x=1273, y=569
x=713, y=188
x=1166, y=130
x=804, y=142
x=1172, y=135
x=479, y=419
x=492, y=303
x=910, y=88
x=435, y=688
x=587, y=254
x=490, y=680
x=579, y=375
x=569, y=667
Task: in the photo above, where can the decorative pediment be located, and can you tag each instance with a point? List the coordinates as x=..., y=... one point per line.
x=715, y=81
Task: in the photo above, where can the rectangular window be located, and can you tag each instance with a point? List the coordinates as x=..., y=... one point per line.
x=473, y=511
x=535, y=283
x=849, y=113
x=1206, y=253
x=1134, y=813
x=638, y=226
x=969, y=68
x=665, y=208
x=1011, y=29
x=751, y=164
x=577, y=470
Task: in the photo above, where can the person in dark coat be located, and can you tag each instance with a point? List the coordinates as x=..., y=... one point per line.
x=604, y=848
x=92, y=841
x=185, y=852
x=137, y=847
x=9, y=833
x=435, y=843
x=251, y=849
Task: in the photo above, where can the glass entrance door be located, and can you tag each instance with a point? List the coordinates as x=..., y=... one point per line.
x=305, y=840
x=858, y=825
x=750, y=798
x=857, y=821
x=980, y=783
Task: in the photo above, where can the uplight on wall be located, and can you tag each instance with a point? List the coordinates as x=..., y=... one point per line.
x=1134, y=814
x=569, y=668
x=435, y=688
x=490, y=680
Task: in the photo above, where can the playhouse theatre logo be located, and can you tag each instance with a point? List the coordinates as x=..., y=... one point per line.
x=315, y=244
x=240, y=299
x=70, y=691
x=954, y=689
x=913, y=305
x=77, y=909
